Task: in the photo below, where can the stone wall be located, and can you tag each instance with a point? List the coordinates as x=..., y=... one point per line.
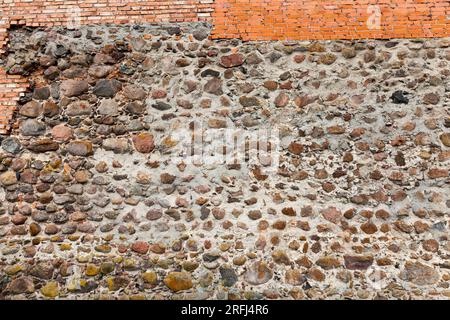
x=36, y=13
x=254, y=20
x=330, y=19
x=98, y=200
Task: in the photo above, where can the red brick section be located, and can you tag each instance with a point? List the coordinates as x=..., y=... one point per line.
x=10, y=89
x=329, y=19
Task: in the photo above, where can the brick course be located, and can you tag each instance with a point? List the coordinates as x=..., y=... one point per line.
x=325, y=19
x=10, y=89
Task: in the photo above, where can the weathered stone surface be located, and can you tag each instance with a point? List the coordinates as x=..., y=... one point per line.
x=431, y=98
x=150, y=277
x=143, y=142
x=107, y=88
x=445, y=139
x=295, y=277
x=399, y=97
x=50, y=289
x=332, y=214
x=108, y=107
x=50, y=109
x=11, y=145
x=214, y=86
x=62, y=132
x=229, y=276
x=140, y=247
x=99, y=71
x=117, y=283
x=79, y=108
x=41, y=93
x=232, y=60
x=281, y=100
x=369, y=227
x=200, y=33
x=327, y=58
x=135, y=107
x=436, y=173
x=258, y=273
x=31, y=109
x=73, y=88
x=328, y=262
x=161, y=106
x=116, y=145
x=358, y=262
x=32, y=127
x=296, y=148
x=134, y=92
x=8, y=178
x=80, y=148
x=178, y=281
x=43, y=145
x=419, y=274
x=248, y=101
x=348, y=53
x=430, y=245
x=217, y=123
x=21, y=285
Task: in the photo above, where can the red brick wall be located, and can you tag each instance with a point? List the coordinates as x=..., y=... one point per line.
x=329, y=19
x=57, y=12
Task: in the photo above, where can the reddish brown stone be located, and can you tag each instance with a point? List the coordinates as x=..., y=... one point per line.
x=232, y=60
x=430, y=245
x=140, y=247
x=288, y=211
x=336, y=130
x=143, y=142
x=436, y=173
x=369, y=227
x=270, y=85
x=332, y=214
x=281, y=100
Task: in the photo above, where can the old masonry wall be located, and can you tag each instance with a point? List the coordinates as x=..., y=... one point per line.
x=96, y=200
